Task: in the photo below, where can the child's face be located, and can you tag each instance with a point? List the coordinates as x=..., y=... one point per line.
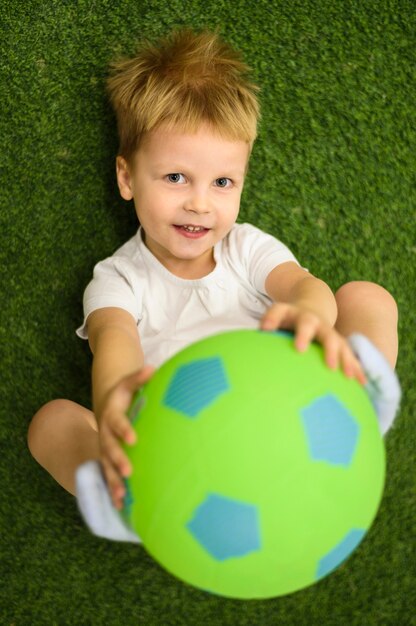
x=185, y=180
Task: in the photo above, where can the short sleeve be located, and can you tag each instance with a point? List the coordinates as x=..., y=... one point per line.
x=259, y=253
x=113, y=285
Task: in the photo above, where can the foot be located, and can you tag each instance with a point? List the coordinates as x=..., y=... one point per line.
x=94, y=502
x=383, y=386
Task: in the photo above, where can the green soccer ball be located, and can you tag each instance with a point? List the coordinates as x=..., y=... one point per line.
x=257, y=470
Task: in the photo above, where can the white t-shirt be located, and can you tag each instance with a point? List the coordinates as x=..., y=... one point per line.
x=173, y=312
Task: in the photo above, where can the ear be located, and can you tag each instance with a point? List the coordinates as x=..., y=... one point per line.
x=124, y=180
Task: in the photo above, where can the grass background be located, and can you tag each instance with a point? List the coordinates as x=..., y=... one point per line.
x=332, y=175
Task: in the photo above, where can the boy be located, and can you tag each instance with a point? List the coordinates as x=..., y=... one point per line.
x=187, y=120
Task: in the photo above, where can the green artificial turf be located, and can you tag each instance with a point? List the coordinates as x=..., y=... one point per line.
x=332, y=175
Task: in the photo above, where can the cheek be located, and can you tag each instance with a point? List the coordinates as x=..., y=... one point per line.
x=154, y=206
x=233, y=208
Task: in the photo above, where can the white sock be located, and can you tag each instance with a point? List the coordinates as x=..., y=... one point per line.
x=96, y=507
x=383, y=386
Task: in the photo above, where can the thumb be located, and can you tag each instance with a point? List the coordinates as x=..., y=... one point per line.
x=143, y=375
x=137, y=379
x=121, y=395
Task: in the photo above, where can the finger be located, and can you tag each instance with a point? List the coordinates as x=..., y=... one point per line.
x=115, y=484
x=306, y=330
x=358, y=371
x=274, y=317
x=113, y=452
x=346, y=364
x=120, y=397
x=139, y=378
x=117, y=423
x=122, y=428
x=351, y=365
x=360, y=375
x=330, y=344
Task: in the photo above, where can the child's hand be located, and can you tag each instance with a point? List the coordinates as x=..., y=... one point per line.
x=308, y=326
x=114, y=426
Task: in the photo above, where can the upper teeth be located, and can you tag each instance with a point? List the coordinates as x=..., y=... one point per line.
x=193, y=228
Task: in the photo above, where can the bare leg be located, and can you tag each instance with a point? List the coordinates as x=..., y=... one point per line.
x=63, y=435
x=369, y=309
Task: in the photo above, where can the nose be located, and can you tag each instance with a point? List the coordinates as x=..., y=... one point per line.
x=197, y=202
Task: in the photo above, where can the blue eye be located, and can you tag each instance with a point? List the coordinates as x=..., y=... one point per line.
x=222, y=182
x=174, y=178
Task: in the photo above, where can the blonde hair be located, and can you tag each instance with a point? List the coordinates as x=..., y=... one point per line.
x=183, y=81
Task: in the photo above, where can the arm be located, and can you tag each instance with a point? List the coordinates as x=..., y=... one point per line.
x=115, y=344
x=291, y=284
x=307, y=305
x=117, y=372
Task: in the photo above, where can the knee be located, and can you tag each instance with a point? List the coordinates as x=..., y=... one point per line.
x=41, y=423
x=364, y=293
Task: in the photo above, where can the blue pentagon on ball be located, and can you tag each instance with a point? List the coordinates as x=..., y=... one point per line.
x=332, y=432
x=226, y=528
x=340, y=552
x=196, y=385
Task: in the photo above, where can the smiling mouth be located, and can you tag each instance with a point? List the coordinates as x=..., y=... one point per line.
x=190, y=228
